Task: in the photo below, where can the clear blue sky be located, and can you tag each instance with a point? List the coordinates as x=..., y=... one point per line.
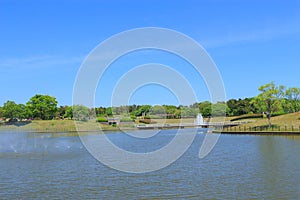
x=43, y=43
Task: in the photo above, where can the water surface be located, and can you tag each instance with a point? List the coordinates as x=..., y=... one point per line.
x=40, y=166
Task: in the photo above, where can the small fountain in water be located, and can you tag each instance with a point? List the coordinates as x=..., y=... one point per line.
x=13, y=148
x=199, y=120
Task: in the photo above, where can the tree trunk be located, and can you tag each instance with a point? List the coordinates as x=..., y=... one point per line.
x=269, y=119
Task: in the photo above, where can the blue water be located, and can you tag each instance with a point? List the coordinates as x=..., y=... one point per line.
x=45, y=166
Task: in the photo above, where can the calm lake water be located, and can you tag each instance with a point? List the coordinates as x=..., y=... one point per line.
x=44, y=166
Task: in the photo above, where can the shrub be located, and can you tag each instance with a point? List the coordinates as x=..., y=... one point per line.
x=126, y=119
x=133, y=117
x=101, y=119
x=278, y=114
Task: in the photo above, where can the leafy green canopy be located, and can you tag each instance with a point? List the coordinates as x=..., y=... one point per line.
x=42, y=106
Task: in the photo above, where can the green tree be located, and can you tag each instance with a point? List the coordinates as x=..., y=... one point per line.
x=205, y=108
x=195, y=105
x=187, y=112
x=240, y=107
x=1, y=112
x=69, y=112
x=157, y=109
x=142, y=110
x=270, y=99
x=220, y=109
x=23, y=112
x=109, y=111
x=10, y=109
x=81, y=113
x=293, y=97
x=233, y=105
x=172, y=111
x=61, y=111
x=100, y=111
x=42, y=106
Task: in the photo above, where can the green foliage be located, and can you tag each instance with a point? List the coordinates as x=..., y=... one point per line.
x=69, y=112
x=142, y=110
x=292, y=99
x=42, y=107
x=278, y=113
x=187, y=112
x=100, y=111
x=121, y=110
x=61, y=111
x=147, y=117
x=10, y=109
x=270, y=99
x=155, y=110
x=126, y=119
x=81, y=113
x=172, y=111
x=109, y=111
x=101, y=119
x=220, y=109
x=205, y=108
x=23, y=112
x=241, y=107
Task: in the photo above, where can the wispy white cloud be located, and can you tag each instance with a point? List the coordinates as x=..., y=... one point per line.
x=38, y=61
x=267, y=33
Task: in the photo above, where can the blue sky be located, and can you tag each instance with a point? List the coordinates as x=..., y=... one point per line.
x=43, y=43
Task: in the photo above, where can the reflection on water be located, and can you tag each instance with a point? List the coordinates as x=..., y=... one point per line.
x=44, y=166
x=279, y=161
x=22, y=143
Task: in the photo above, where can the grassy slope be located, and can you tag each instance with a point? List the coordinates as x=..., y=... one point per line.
x=43, y=126
x=54, y=126
x=282, y=120
x=69, y=125
x=285, y=122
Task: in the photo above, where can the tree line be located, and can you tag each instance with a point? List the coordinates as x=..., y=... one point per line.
x=272, y=100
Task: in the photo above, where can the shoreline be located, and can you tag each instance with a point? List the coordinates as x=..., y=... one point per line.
x=118, y=129
x=78, y=127
x=258, y=132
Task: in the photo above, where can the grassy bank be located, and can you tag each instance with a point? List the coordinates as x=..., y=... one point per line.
x=54, y=126
x=282, y=123
x=69, y=125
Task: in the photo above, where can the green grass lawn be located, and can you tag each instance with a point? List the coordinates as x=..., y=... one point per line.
x=288, y=122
